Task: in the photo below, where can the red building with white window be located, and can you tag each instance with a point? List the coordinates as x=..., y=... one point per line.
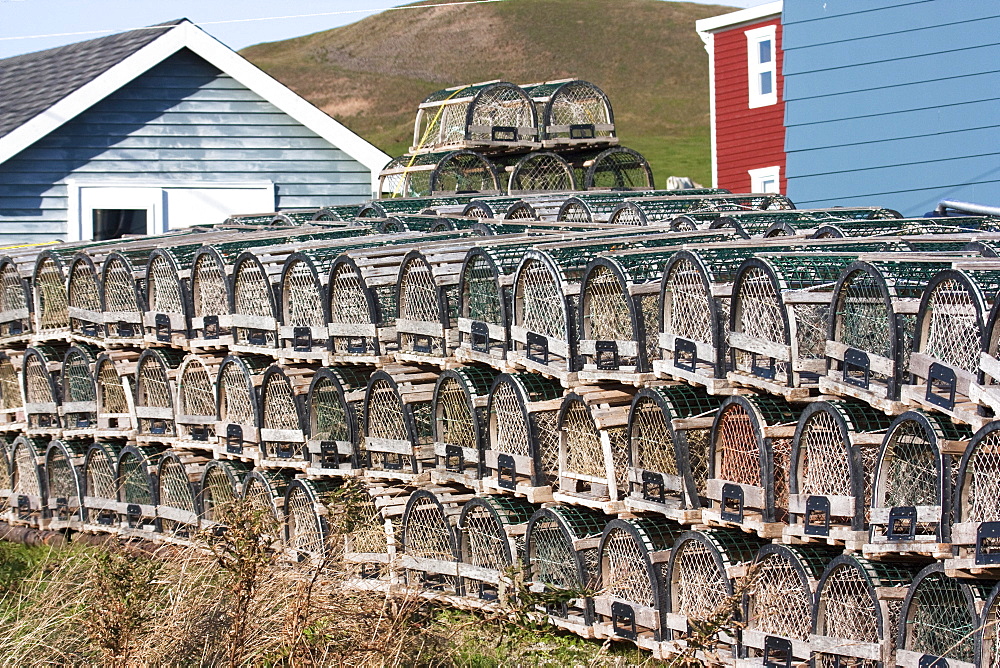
x=747, y=110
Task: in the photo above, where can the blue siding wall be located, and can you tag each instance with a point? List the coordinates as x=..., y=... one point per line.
x=182, y=121
x=892, y=102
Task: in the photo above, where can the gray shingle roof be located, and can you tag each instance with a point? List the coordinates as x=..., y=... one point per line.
x=32, y=83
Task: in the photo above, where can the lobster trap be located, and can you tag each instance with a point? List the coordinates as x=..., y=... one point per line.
x=832, y=467
x=429, y=539
x=6, y=472
x=221, y=486
x=122, y=304
x=562, y=553
x=303, y=333
x=939, y=620
x=360, y=315
x=493, y=115
x=856, y=618
x=631, y=601
x=459, y=406
x=499, y=208
x=669, y=432
x=15, y=300
x=26, y=503
x=283, y=395
x=748, y=464
x=40, y=380
x=264, y=499
x=114, y=375
x=987, y=638
x=336, y=419
x=63, y=467
x=399, y=423
x=778, y=604
x=11, y=397
x=904, y=227
x=100, y=485
x=197, y=394
x=427, y=299
x=307, y=529
x=572, y=113
x=975, y=533
x=372, y=516
x=597, y=207
x=254, y=311
x=177, y=504
x=136, y=474
x=536, y=172
x=211, y=296
x=872, y=323
x=615, y=168
x=167, y=318
x=704, y=573
x=390, y=206
x=523, y=453
x=948, y=343
x=443, y=173
x=778, y=321
x=78, y=391
x=83, y=300
x=911, y=507
x=797, y=222
x=491, y=532
x=155, y=390
x=593, y=447
x=237, y=428
x=49, y=305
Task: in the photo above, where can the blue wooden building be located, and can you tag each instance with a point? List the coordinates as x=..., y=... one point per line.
x=892, y=102
x=158, y=129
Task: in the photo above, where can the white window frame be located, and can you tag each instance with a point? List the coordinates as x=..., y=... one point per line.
x=758, y=177
x=755, y=68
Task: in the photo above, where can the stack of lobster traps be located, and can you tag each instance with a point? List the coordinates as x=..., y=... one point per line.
x=705, y=423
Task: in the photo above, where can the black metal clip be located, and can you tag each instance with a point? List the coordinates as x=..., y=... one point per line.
x=356, y=345
x=777, y=652
x=454, y=459
x=685, y=355
x=506, y=472
x=653, y=487
x=422, y=344
x=16, y=327
x=623, y=620
x=89, y=329
x=537, y=347
x=158, y=427
x=302, y=340
x=133, y=513
x=766, y=370
x=988, y=543
x=606, y=355
x=941, y=383
x=199, y=432
x=162, y=327
x=234, y=439
x=817, y=519
x=902, y=523
x=211, y=327
x=731, y=508
x=582, y=131
x=125, y=330
x=930, y=661
x=857, y=368
x=504, y=133
x=256, y=337
x=480, y=337
x=284, y=450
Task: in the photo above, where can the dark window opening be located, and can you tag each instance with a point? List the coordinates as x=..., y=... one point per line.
x=116, y=223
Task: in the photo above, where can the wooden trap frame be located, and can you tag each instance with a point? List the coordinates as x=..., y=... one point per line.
x=562, y=553
x=872, y=321
x=12, y=417
x=492, y=115
x=522, y=457
x=167, y=319
x=264, y=495
x=156, y=375
x=615, y=168
x=83, y=300
x=631, y=598
x=122, y=303
x=948, y=342
x=26, y=503
x=460, y=406
x=177, y=504
x=360, y=315
x=63, y=469
x=16, y=322
x=307, y=530
x=136, y=474
x=221, y=485
x=778, y=604
x=40, y=380
x=197, y=400
x=572, y=113
x=283, y=416
x=535, y=172
x=440, y=173
x=778, y=321
x=78, y=391
x=975, y=533
x=593, y=447
x=701, y=580
x=831, y=471
x=335, y=424
x=912, y=494
x=237, y=426
x=254, y=310
x=49, y=306
x=491, y=532
x=939, y=620
x=399, y=423
x=114, y=375
x=856, y=614
x=100, y=486
x=748, y=464
x=669, y=432
x=427, y=298
x=429, y=539
x=695, y=296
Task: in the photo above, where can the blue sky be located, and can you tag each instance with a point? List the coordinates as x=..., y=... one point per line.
x=33, y=25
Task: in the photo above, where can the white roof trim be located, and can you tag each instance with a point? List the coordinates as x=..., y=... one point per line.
x=734, y=19
x=187, y=35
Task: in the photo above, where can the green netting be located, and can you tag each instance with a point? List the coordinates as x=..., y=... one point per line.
x=813, y=558
x=914, y=226
x=511, y=509
x=537, y=387
x=656, y=533
x=581, y=522
x=774, y=410
x=861, y=418
x=686, y=401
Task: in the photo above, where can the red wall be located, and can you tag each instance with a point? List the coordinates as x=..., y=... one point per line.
x=745, y=138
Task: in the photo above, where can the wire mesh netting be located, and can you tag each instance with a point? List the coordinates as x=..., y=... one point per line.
x=174, y=490
x=219, y=489
x=939, y=619
x=349, y=304
x=302, y=305
x=779, y=599
x=541, y=307
x=136, y=483
x=196, y=390
x=153, y=391
x=687, y=307
x=953, y=320
x=118, y=289
x=306, y=531
x=83, y=292
x=237, y=398
x=979, y=499
x=252, y=297
x=280, y=411
x=584, y=452
x=100, y=479
x=62, y=484
x=209, y=286
x=863, y=320
x=909, y=470
x=50, y=295
x=110, y=390
x=541, y=172
x=163, y=286
x=759, y=314
x=10, y=385
x=737, y=447
x=607, y=311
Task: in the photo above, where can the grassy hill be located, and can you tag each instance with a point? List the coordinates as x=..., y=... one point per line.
x=645, y=54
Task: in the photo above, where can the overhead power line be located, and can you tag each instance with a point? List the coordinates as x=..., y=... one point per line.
x=251, y=20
